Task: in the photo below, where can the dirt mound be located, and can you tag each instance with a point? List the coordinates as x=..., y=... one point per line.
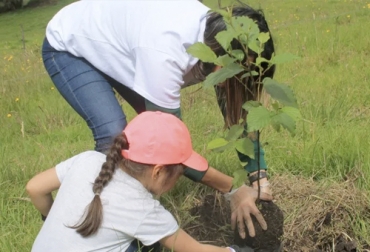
x=318, y=217
x=269, y=240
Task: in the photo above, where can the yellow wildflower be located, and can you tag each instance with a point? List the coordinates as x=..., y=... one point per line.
x=16, y=99
x=52, y=88
x=10, y=58
x=9, y=115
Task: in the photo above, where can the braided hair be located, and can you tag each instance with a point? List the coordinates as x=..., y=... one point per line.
x=93, y=218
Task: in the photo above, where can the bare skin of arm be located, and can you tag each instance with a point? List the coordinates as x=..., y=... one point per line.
x=217, y=180
x=182, y=242
x=39, y=189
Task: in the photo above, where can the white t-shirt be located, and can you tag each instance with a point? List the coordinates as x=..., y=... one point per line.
x=129, y=210
x=140, y=43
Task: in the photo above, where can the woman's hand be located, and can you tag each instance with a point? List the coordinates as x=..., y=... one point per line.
x=242, y=200
x=243, y=204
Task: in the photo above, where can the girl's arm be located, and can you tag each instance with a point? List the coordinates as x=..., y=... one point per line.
x=39, y=189
x=182, y=242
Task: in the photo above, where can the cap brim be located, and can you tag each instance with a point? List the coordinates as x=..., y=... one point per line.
x=196, y=162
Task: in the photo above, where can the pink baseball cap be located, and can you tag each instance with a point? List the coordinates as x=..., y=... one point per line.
x=161, y=138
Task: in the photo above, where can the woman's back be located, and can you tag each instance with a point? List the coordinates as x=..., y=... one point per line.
x=121, y=37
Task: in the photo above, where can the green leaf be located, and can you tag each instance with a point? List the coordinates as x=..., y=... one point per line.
x=248, y=74
x=243, y=39
x=294, y=113
x=286, y=121
x=236, y=25
x=258, y=118
x=230, y=145
x=246, y=25
x=224, y=60
x=259, y=60
x=224, y=38
x=263, y=37
x=275, y=106
x=240, y=177
x=229, y=27
x=221, y=75
x=238, y=54
x=217, y=143
x=251, y=104
x=242, y=22
x=280, y=92
x=234, y=132
x=245, y=146
x=276, y=125
x=254, y=46
x=283, y=58
x=243, y=164
x=202, y=52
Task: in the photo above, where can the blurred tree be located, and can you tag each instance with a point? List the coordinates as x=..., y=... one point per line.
x=11, y=5
x=8, y=5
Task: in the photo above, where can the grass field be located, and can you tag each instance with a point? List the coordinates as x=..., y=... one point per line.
x=331, y=81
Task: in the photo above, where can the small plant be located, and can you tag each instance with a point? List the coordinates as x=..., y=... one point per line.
x=283, y=112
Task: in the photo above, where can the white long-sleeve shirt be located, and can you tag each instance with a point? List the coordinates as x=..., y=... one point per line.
x=140, y=43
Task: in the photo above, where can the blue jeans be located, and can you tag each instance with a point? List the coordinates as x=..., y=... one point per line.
x=91, y=94
x=137, y=246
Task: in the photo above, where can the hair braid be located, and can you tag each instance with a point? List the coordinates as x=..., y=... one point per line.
x=94, y=215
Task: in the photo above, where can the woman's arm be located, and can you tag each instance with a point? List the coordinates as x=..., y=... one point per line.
x=182, y=242
x=39, y=189
x=217, y=180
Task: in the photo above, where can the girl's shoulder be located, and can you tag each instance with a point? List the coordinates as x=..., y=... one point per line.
x=89, y=155
x=88, y=160
x=92, y=154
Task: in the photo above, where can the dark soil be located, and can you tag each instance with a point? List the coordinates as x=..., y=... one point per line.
x=265, y=240
x=214, y=220
x=211, y=224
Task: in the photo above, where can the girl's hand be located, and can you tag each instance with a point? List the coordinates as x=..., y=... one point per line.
x=243, y=204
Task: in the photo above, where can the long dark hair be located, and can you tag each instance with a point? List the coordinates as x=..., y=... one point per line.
x=92, y=219
x=232, y=94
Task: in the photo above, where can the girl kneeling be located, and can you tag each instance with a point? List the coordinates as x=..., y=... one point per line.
x=145, y=160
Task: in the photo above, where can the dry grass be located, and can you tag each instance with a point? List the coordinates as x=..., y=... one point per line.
x=319, y=216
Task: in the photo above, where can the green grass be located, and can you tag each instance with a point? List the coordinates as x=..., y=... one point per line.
x=331, y=82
